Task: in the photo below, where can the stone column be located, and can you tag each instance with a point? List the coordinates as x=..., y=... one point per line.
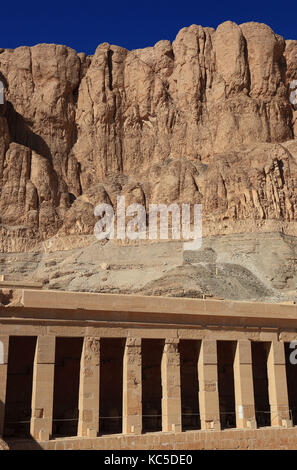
x=89, y=388
x=43, y=388
x=132, y=387
x=277, y=385
x=171, y=394
x=4, y=344
x=243, y=386
x=208, y=385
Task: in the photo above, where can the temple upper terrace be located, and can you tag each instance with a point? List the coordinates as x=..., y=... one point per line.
x=84, y=365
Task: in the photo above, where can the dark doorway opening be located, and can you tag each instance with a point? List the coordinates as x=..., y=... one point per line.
x=260, y=379
x=226, y=354
x=111, y=385
x=66, y=386
x=19, y=386
x=189, y=352
x=152, y=351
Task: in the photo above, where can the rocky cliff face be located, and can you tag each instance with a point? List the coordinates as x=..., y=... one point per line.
x=206, y=119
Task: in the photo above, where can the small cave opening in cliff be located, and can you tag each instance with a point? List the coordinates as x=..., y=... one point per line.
x=72, y=198
x=226, y=355
x=19, y=386
x=291, y=372
x=111, y=385
x=260, y=379
x=152, y=351
x=66, y=386
x=189, y=353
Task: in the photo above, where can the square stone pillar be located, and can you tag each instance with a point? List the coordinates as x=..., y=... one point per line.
x=243, y=386
x=43, y=388
x=208, y=385
x=171, y=394
x=89, y=388
x=277, y=385
x=4, y=345
x=132, y=387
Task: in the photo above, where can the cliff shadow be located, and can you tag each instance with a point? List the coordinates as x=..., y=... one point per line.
x=21, y=133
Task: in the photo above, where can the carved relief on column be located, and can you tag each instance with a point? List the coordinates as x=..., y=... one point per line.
x=4, y=345
x=88, y=419
x=132, y=387
x=243, y=385
x=277, y=385
x=171, y=392
x=208, y=385
x=43, y=388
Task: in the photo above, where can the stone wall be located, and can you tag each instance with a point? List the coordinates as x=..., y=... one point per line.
x=259, y=439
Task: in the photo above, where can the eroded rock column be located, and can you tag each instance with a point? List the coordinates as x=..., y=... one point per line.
x=43, y=388
x=277, y=385
x=243, y=385
x=171, y=392
x=132, y=387
x=89, y=388
x=4, y=344
x=208, y=385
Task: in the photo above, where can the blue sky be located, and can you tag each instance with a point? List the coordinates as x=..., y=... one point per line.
x=131, y=24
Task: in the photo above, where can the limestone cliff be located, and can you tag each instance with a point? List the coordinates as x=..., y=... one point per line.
x=206, y=119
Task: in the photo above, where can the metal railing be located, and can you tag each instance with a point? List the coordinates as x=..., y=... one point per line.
x=152, y=422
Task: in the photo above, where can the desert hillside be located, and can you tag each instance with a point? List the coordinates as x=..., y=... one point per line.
x=205, y=119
